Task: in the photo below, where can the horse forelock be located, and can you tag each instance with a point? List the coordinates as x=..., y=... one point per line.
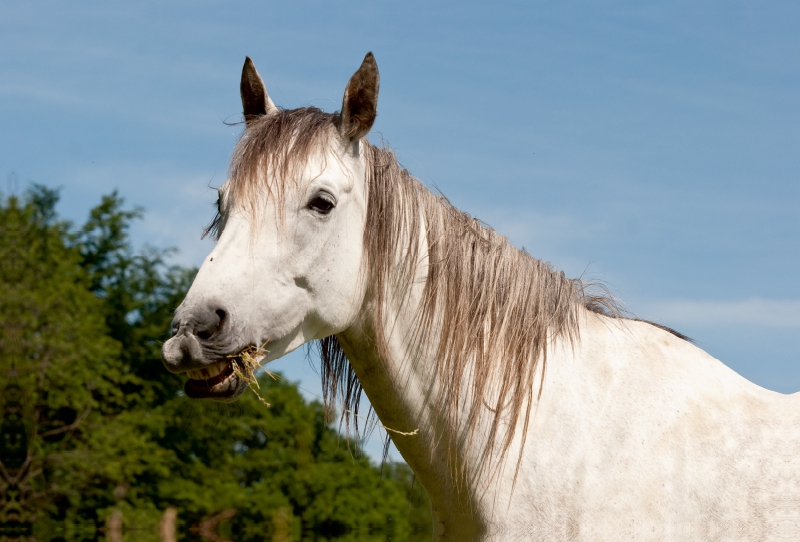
x=269, y=153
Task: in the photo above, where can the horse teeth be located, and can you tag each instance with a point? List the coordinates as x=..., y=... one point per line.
x=207, y=372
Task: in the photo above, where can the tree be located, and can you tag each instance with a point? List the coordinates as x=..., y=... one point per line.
x=59, y=363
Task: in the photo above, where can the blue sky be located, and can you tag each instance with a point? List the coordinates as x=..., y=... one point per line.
x=652, y=145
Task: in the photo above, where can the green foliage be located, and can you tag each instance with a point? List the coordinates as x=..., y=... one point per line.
x=93, y=425
x=55, y=350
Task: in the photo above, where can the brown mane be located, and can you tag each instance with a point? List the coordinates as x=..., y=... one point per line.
x=503, y=307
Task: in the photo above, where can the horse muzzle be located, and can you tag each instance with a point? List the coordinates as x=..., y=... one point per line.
x=199, y=349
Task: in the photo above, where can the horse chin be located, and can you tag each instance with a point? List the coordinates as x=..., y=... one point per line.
x=225, y=386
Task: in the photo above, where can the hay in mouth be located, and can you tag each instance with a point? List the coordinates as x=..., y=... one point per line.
x=245, y=363
x=226, y=379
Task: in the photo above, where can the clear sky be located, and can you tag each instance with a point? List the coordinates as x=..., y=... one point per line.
x=652, y=145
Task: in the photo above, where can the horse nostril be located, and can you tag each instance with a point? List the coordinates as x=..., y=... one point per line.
x=212, y=324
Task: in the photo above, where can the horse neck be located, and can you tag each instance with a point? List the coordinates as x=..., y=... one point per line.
x=430, y=266
x=400, y=377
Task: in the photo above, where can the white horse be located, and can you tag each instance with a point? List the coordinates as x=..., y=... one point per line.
x=528, y=409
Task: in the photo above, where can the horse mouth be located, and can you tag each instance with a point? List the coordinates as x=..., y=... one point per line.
x=219, y=382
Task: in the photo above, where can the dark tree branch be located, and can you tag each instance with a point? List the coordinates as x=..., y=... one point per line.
x=69, y=427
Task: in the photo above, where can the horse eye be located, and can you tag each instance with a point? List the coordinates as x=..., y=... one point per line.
x=321, y=205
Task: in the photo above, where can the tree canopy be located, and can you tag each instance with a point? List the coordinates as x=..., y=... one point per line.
x=92, y=425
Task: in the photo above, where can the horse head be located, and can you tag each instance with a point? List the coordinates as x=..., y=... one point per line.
x=287, y=265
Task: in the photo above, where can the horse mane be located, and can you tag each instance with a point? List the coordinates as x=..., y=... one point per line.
x=492, y=309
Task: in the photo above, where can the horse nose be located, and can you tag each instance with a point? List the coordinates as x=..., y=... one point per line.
x=203, y=324
x=190, y=328
x=208, y=324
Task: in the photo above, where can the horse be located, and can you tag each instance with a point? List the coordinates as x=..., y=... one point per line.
x=527, y=404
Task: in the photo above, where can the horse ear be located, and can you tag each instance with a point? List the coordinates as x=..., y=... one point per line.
x=360, y=102
x=255, y=100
